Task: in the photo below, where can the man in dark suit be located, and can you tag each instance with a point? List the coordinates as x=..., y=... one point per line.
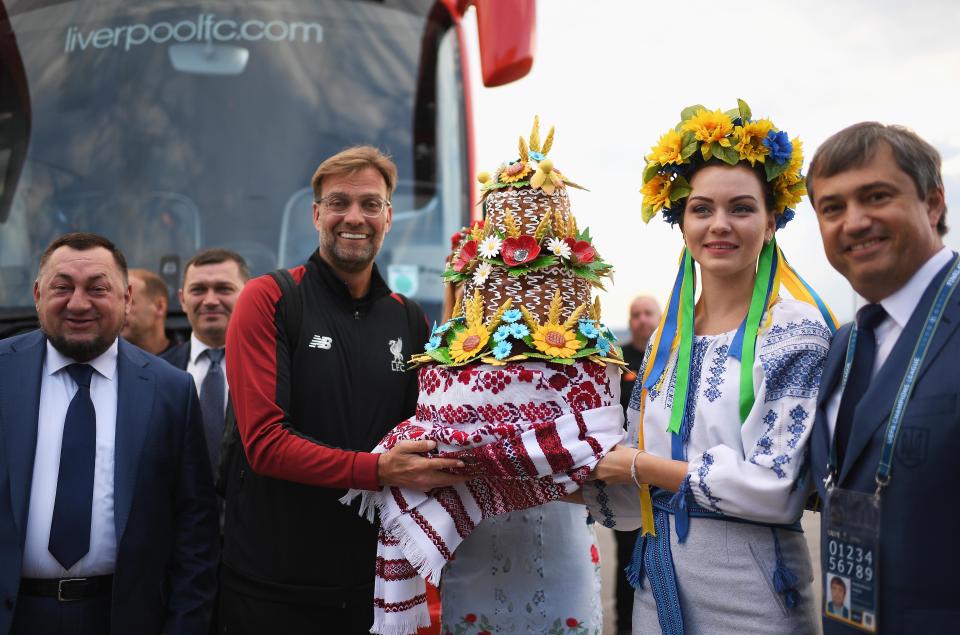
x=879, y=199
x=212, y=282
x=107, y=511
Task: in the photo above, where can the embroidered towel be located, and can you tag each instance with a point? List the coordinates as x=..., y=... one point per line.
x=529, y=433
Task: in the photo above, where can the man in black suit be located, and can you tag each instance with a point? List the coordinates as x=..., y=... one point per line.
x=107, y=509
x=879, y=198
x=212, y=282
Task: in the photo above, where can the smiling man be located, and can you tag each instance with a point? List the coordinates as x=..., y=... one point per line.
x=889, y=403
x=310, y=404
x=107, y=517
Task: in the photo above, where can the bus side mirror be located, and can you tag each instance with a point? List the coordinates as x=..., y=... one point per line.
x=507, y=39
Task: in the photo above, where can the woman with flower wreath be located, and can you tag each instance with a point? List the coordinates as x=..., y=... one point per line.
x=721, y=417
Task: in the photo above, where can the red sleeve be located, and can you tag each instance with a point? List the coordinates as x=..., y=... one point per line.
x=273, y=446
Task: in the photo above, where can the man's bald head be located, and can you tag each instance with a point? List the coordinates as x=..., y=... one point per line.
x=644, y=318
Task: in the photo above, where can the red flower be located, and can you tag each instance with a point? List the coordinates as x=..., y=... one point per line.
x=467, y=253
x=517, y=251
x=594, y=554
x=558, y=382
x=471, y=618
x=572, y=622
x=583, y=397
x=581, y=251
x=455, y=240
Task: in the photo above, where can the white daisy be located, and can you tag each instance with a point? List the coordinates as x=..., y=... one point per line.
x=558, y=248
x=481, y=273
x=489, y=247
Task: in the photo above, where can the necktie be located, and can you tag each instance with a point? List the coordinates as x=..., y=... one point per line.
x=70, y=526
x=861, y=371
x=212, y=392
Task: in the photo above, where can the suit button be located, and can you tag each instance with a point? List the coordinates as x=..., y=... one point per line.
x=8, y=603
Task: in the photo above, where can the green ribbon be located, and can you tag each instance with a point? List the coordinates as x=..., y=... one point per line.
x=766, y=270
x=686, y=345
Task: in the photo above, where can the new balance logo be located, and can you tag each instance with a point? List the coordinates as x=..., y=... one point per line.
x=320, y=342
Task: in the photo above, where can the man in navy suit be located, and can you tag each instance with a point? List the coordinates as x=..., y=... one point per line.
x=212, y=282
x=878, y=194
x=107, y=511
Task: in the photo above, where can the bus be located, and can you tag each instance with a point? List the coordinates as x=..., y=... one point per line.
x=172, y=126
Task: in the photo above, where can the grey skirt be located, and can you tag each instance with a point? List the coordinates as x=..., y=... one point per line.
x=725, y=582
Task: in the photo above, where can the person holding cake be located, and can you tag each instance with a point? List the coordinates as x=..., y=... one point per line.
x=521, y=383
x=723, y=409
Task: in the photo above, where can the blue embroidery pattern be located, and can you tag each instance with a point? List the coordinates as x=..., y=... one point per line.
x=716, y=373
x=765, y=443
x=792, y=357
x=702, y=473
x=778, y=464
x=604, y=501
x=798, y=415
x=635, y=393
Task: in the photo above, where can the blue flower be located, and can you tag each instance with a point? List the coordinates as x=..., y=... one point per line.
x=502, y=350
x=519, y=331
x=536, y=156
x=603, y=345
x=433, y=344
x=443, y=328
x=502, y=333
x=588, y=329
x=671, y=216
x=785, y=218
x=779, y=146
x=512, y=316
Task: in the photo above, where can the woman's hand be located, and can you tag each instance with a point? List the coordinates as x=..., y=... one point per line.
x=614, y=467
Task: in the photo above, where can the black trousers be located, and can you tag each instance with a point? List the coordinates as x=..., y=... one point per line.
x=247, y=608
x=624, y=593
x=48, y=616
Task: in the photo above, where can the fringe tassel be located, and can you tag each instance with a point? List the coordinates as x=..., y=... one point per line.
x=420, y=619
x=634, y=570
x=682, y=515
x=784, y=580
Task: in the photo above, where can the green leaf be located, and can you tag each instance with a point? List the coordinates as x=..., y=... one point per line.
x=585, y=352
x=774, y=170
x=599, y=265
x=688, y=137
x=442, y=355
x=680, y=188
x=688, y=150
x=690, y=111
x=454, y=276
x=540, y=262
x=646, y=213
x=650, y=171
x=586, y=274
x=732, y=113
x=745, y=113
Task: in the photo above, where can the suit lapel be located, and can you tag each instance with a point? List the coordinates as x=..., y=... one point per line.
x=874, y=409
x=19, y=411
x=136, y=386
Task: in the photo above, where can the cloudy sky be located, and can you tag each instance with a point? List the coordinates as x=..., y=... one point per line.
x=614, y=75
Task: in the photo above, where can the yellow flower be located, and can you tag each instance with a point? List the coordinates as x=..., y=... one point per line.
x=796, y=159
x=515, y=172
x=668, y=149
x=468, y=343
x=656, y=194
x=555, y=340
x=789, y=189
x=751, y=135
x=546, y=178
x=709, y=128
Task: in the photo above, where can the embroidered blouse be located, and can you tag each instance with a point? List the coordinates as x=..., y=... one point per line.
x=757, y=470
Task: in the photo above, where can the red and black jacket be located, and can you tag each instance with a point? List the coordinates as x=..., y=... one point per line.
x=307, y=415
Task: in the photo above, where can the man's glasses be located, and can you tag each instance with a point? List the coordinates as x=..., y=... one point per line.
x=339, y=205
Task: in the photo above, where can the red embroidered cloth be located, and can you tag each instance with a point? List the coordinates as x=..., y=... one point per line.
x=529, y=432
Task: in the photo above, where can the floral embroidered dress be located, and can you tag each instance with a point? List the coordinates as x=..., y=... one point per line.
x=725, y=574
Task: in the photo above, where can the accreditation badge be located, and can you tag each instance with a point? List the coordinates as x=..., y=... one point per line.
x=850, y=593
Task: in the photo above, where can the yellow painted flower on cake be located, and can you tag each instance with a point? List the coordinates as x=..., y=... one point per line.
x=468, y=343
x=751, y=136
x=555, y=340
x=667, y=151
x=515, y=172
x=709, y=127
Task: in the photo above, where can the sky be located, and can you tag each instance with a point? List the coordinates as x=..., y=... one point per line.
x=613, y=76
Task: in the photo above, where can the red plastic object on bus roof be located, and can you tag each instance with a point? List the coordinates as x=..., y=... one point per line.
x=507, y=33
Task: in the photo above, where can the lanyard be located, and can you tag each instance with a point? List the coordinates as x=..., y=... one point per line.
x=885, y=466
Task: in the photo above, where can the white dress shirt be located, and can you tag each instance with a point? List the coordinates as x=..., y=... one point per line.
x=57, y=389
x=899, y=307
x=198, y=366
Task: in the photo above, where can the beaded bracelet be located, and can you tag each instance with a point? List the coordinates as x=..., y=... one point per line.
x=633, y=468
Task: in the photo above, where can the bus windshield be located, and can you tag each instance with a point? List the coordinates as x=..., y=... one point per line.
x=173, y=126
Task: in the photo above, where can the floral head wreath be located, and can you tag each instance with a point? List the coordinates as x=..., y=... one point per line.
x=732, y=137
